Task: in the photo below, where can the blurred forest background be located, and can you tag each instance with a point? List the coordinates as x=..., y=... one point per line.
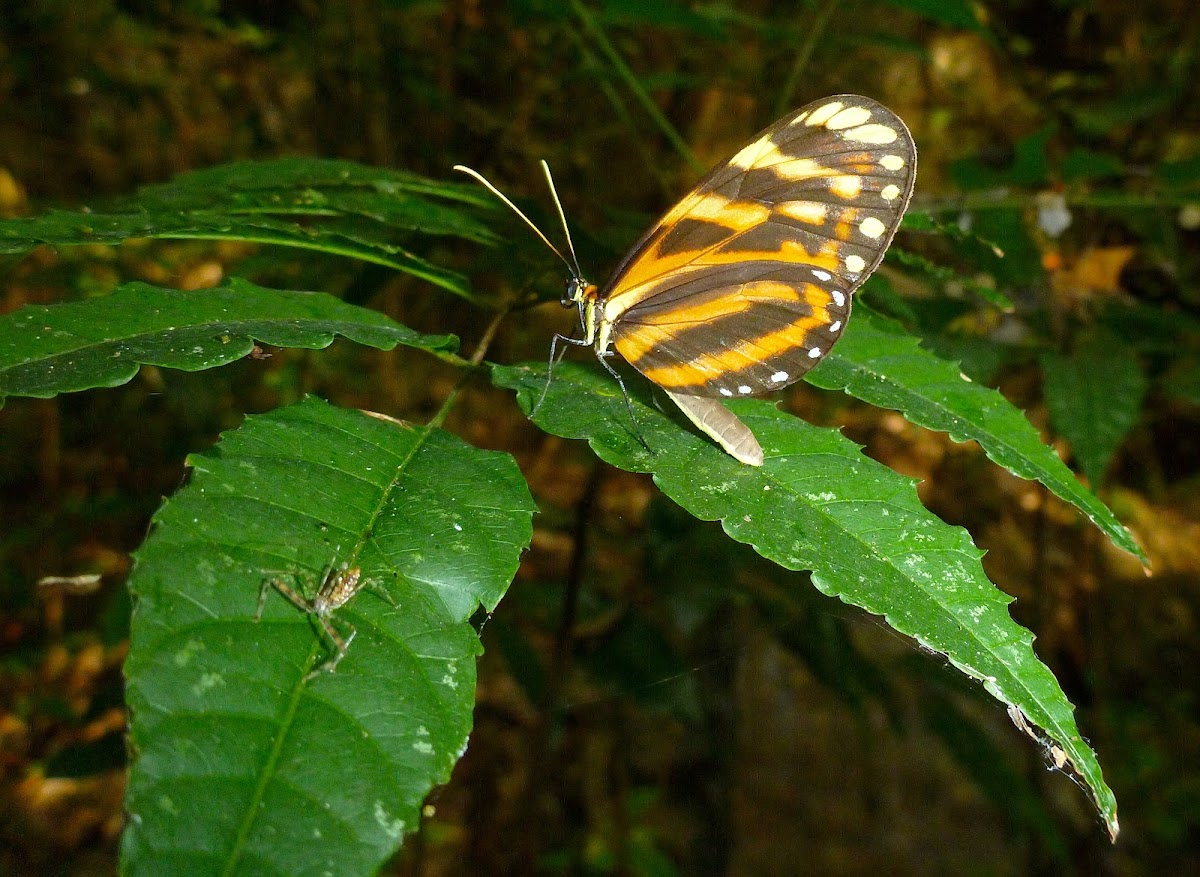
x=653, y=701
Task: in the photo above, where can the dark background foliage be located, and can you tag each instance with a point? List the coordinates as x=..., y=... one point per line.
x=653, y=700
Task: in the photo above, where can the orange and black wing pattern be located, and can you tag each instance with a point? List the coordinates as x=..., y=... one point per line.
x=745, y=284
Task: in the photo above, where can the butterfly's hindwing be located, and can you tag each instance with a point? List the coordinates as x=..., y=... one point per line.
x=745, y=284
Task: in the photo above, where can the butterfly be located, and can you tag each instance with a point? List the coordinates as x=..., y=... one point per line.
x=746, y=284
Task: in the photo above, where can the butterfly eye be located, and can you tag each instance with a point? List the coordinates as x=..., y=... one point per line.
x=571, y=295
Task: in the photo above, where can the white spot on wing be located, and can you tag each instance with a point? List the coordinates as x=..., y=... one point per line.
x=892, y=162
x=822, y=275
x=839, y=298
x=855, y=264
x=872, y=228
x=849, y=118
x=744, y=390
x=823, y=114
x=811, y=212
x=779, y=377
x=749, y=155
x=725, y=392
x=890, y=192
x=835, y=326
x=874, y=134
x=814, y=353
x=846, y=186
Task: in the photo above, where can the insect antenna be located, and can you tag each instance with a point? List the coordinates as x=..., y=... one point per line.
x=483, y=181
x=572, y=264
x=562, y=217
x=577, y=283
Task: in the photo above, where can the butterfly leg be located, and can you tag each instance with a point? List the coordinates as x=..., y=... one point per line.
x=566, y=339
x=603, y=357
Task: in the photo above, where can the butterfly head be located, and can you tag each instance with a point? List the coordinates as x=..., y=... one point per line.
x=577, y=292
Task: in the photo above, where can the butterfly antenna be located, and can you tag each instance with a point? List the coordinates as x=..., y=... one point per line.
x=562, y=216
x=482, y=180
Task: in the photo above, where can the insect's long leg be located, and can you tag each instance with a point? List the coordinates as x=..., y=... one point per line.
x=341, y=645
x=637, y=431
x=284, y=590
x=577, y=342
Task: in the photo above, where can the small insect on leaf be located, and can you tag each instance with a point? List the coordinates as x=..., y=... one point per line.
x=338, y=586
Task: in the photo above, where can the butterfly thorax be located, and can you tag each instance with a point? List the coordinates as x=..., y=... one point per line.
x=597, y=328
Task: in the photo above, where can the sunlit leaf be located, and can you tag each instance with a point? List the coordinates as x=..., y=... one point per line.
x=242, y=764
x=880, y=363
x=819, y=504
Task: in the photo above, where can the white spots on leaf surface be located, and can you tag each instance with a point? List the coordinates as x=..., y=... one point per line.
x=207, y=682
x=184, y=656
x=392, y=827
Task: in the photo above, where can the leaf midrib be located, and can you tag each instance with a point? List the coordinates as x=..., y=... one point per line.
x=285, y=728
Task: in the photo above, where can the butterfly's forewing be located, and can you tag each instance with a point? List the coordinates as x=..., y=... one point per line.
x=744, y=285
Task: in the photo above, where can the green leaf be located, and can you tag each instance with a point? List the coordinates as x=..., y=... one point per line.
x=1094, y=396
x=318, y=204
x=241, y=765
x=878, y=362
x=102, y=342
x=1082, y=163
x=702, y=22
x=819, y=504
x=1180, y=173
x=955, y=13
x=1116, y=109
x=1029, y=166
